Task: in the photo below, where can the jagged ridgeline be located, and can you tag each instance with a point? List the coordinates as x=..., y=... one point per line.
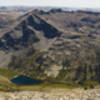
x=57, y=46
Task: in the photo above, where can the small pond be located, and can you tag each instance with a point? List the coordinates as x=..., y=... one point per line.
x=24, y=80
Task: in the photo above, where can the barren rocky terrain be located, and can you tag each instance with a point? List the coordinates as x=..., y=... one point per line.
x=55, y=94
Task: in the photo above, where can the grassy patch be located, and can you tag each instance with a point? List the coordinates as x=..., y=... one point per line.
x=59, y=86
x=6, y=85
x=8, y=73
x=5, y=77
x=45, y=87
x=90, y=84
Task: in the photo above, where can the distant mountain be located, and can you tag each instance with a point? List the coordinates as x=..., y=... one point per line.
x=15, y=9
x=25, y=9
x=56, y=44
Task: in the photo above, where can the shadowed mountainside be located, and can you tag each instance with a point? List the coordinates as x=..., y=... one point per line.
x=58, y=45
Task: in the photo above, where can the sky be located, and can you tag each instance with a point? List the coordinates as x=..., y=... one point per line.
x=58, y=3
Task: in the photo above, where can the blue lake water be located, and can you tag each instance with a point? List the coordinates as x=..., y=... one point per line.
x=24, y=80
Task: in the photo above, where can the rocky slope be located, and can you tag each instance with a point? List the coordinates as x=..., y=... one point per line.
x=67, y=43
x=55, y=94
x=7, y=18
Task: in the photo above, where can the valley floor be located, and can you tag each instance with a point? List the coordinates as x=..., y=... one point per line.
x=53, y=94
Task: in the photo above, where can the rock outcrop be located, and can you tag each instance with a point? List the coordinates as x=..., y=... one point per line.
x=56, y=94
